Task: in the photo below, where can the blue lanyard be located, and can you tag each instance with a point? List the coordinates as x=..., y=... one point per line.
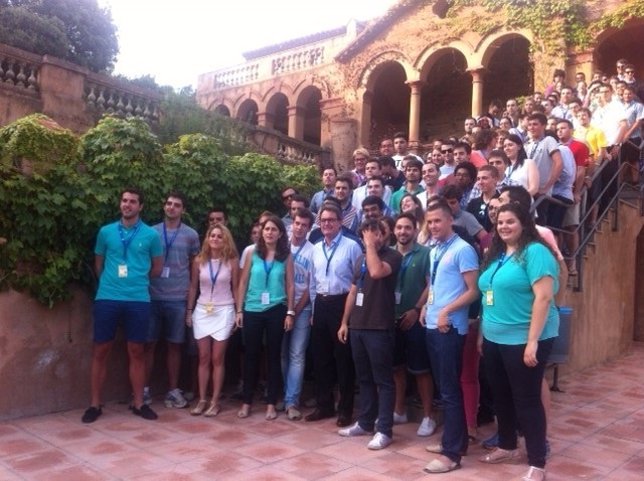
x=363, y=273
x=168, y=245
x=329, y=257
x=533, y=150
x=213, y=278
x=502, y=261
x=126, y=241
x=438, y=258
x=297, y=253
x=403, y=269
x=268, y=267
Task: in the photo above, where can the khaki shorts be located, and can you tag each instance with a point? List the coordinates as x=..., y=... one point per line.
x=572, y=216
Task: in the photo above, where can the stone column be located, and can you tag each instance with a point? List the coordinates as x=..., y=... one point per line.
x=414, y=114
x=477, y=91
x=264, y=119
x=296, y=122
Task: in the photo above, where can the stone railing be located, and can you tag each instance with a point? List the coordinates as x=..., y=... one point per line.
x=19, y=69
x=287, y=149
x=105, y=95
x=236, y=76
x=301, y=60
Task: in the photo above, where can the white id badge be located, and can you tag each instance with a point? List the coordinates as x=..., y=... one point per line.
x=359, y=299
x=122, y=270
x=489, y=297
x=398, y=296
x=165, y=273
x=430, y=296
x=266, y=298
x=325, y=287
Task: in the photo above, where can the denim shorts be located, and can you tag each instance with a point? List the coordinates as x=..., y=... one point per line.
x=134, y=316
x=167, y=321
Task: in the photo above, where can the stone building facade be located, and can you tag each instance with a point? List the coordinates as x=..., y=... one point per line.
x=420, y=68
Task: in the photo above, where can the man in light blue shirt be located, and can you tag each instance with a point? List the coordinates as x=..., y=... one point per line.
x=452, y=288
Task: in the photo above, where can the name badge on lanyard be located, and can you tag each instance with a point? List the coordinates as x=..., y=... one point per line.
x=359, y=299
x=122, y=270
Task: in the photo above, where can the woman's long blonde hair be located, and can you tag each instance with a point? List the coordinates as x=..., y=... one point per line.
x=229, y=251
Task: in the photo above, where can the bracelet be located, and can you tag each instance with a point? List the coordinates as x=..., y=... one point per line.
x=189, y=310
x=290, y=313
x=240, y=312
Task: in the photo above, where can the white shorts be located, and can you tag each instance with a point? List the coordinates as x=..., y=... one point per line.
x=218, y=324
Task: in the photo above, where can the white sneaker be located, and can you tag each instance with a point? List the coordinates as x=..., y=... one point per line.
x=353, y=430
x=427, y=427
x=379, y=441
x=175, y=399
x=400, y=418
x=147, y=397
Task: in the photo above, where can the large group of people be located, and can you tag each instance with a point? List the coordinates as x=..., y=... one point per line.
x=403, y=268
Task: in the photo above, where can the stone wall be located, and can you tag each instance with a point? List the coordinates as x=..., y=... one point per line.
x=71, y=95
x=45, y=356
x=604, y=312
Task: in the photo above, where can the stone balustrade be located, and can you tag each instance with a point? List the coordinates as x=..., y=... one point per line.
x=300, y=60
x=240, y=75
x=19, y=69
x=71, y=95
x=288, y=149
x=109, y=97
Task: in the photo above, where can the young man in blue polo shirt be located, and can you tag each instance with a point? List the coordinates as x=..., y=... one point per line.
x=453, y=274
x=127, y=253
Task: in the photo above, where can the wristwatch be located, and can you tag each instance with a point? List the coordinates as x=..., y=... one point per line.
x=290, y=313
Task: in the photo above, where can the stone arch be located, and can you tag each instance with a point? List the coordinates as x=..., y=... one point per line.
x=308, y=116
x=312, y=81
x=247, y=111
x=386, y=96
x=509, y=70
x=277, y=112
x=249, y=95
x=222, y=109
x=281, y=88
x=372, y=70
x=613, y=44
x=489, y=44
x=446, y=95
x=433, y=53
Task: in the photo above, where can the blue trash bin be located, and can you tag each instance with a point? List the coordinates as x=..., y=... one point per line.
x=561, y=346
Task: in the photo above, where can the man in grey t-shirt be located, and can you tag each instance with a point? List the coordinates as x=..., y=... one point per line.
x=169, y=293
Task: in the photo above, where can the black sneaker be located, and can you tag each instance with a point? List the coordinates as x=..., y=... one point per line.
x=145, y=412
x=91, y=414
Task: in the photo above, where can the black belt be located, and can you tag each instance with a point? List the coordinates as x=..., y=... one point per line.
x=331, y=296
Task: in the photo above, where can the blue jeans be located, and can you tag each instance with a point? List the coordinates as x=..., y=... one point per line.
x=293, y=356
x=373, y=357
x=446, y=358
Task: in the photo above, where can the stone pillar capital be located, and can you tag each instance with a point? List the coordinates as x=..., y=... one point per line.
x=415, y=85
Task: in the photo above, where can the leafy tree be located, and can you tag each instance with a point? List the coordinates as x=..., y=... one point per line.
x=29, y=31
x=88, y=30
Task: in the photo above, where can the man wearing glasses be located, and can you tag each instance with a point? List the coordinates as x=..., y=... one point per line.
x=447, y=150
x=334, y=261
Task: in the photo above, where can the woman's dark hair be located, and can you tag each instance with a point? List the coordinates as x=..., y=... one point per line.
x=282, y=250
x=529, y=234
x=418, y=212
x=521, y=155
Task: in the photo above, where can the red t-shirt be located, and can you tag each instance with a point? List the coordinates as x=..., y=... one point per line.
x=580, y=151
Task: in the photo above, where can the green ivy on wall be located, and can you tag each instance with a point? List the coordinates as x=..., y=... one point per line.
x=553, y=22
x=51, y=214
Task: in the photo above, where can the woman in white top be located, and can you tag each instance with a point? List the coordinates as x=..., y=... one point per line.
x=521, y=170
x=215, y=271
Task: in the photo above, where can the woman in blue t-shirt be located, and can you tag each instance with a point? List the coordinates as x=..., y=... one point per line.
x=267, y=289
x=519, y=324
